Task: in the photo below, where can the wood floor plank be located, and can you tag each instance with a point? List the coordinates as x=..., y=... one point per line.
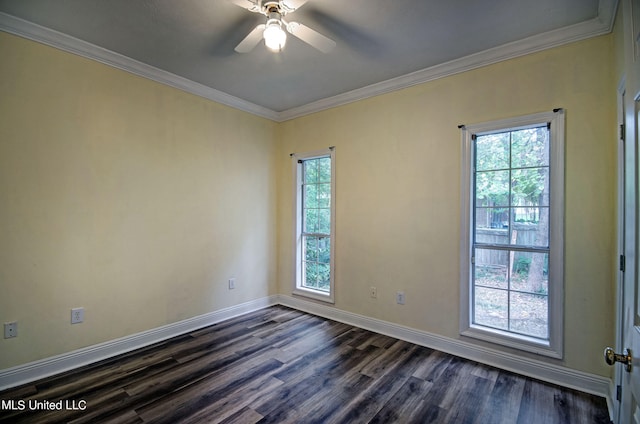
x=502, y=407
x=433, y=365
x=470, y=399
x=188, y=400
x=124, y=417
x=377, y=340
x=312, y=339
x=368, y=403
x=486, y=372
x=549, y=403
x=321, y=360
x=405, y=405
x=86, y=384
x=537, y=404
x=580, y=408
x=461, y=379
x=386, y=361
x=280, y=365
x=181, y=375
x=364, y=406
x=234, y=402
x=103, y=405
x=244, y=416
x=445, y=379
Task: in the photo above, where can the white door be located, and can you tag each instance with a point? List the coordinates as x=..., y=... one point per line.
x=621, y=250
x=627, y=376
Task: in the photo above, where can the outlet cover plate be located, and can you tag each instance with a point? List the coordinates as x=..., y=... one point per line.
x=232, y=283
x=400, y=298
x=77, y=315
x=10, y=329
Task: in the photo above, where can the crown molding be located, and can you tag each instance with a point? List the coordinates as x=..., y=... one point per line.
x=600, y=25
x=56, y=39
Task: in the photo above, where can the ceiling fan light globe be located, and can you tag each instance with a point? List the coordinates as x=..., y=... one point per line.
x=274, y=37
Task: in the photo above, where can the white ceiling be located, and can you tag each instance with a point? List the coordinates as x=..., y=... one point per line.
x=382, y=45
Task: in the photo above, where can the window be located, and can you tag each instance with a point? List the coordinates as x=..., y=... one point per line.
x=512, y=223
x=314, y=176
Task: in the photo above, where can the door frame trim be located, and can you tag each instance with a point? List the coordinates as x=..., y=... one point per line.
x=613, y=402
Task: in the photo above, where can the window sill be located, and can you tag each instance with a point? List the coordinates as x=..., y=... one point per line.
x=314, y=294
x=514, y=341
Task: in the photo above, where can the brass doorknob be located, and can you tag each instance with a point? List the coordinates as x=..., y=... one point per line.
x=611, y=358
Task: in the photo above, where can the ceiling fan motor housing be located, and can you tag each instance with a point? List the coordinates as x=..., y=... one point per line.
x=270, y=6
x=274, y=16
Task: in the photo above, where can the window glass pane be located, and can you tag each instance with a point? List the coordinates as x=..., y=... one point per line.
x=530, y=147
x=528, y=187
x=530, y=272
x=324, y=250
x=493, y=226
x=311, y=248
x=530, y=215
x=492, y=151
x=311, y=171
x=311, y=275
x=496, y=218
x=324, y=221
x=310, y=221
x=310, y=196
x=531, y=227
x=492, y=188
x=529, y=314
x=324, y=170
x=491, y=308
x=324, y=276
x=490, y=268
x=324, y=195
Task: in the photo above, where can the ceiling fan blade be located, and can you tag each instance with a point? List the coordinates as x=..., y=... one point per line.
x=311, y=37
x=247, y=4
x=293, y=4
x=251, y=40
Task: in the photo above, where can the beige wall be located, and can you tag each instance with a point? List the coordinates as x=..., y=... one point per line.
x=138, y=201
x=398, y=190
x=129, y=198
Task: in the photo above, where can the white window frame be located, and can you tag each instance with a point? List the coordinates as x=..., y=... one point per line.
x=554, y=346
x=298, y=288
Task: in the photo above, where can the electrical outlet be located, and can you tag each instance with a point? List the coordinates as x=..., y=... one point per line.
x=77, y=315
x=400, y=298
x=373, y=292
x=10, y=329
x=232, y=283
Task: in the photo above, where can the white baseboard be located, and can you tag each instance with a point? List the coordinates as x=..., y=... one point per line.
x=21, y=374
x=562, y=376
x=566, y=377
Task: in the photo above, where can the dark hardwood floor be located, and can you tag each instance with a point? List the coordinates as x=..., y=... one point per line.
x=279, y=365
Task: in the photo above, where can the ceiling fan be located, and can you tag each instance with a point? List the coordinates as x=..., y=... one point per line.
x=272, y=30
